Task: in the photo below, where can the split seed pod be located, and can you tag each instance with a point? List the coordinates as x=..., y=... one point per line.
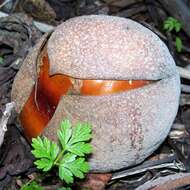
x=111, y=72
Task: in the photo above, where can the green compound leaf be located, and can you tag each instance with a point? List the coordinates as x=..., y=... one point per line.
x=46, y=152
x=171, y=24
x=177, y=26
x=81, y=133
x=65, y=174
x=166, y=26
x=44, y=164
x=73, y=139
x=71, y=166
x=64, y=134
x=70, y=158
x=80, y=148
x=78, y=167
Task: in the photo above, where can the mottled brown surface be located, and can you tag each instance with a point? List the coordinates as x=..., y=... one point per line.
x=128, y=126
x=108, y=47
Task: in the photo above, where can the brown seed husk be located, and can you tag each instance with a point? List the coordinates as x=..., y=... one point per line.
x=26, y=77
x=127, y=126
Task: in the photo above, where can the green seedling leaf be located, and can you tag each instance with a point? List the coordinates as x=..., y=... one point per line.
x=168, y=25
x=81, y=133
x=178, y=44
x=171, y=24
x=70, y=157
x=73, y=140
x=44, y=164
x=80, y=149
x=177, y=26
x=46, y=152
x=71, y=166
x=78, y=167
x=64, y=134
x=64, y=173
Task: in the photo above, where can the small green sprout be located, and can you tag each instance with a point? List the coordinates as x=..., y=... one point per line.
x=31, y=185
x=171, y=24
x=69, y=155
x=178, y=43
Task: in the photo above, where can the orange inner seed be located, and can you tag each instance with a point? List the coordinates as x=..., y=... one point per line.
x=36, y=114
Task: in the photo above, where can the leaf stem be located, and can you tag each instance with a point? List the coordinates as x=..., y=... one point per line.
x=56, y=162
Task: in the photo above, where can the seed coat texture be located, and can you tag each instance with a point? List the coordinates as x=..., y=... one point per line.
x=127, y=126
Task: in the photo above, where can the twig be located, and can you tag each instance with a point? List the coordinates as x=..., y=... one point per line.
x=4, y=120
x=4, y=3
x=185, y=88
x=132, y=11
x=148, y=165
x=106, y=4
x=184, y=61
x=177, y=134
x=184, y=99
x=167, y=183
x=179, y=154
x=184, y=73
